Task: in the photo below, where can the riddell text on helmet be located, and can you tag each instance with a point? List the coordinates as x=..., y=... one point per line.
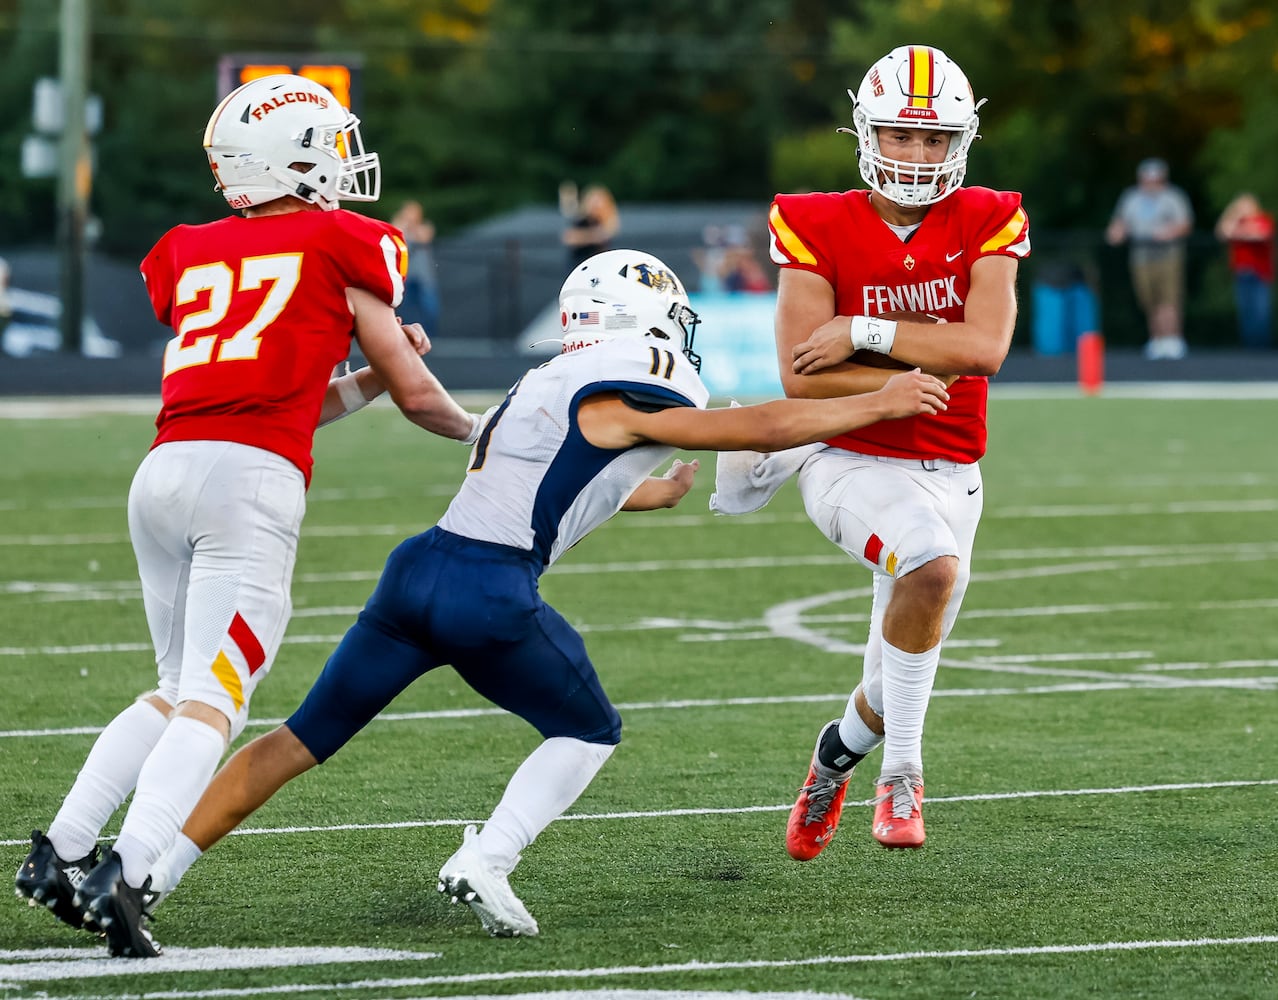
x=283, y=100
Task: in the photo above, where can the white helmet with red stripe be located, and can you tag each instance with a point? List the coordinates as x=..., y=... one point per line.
x=287, y=135
x=917, y=87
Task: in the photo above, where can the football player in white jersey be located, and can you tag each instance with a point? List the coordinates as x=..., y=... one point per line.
x=575, y=441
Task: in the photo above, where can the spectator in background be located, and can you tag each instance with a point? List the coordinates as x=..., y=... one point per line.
x=727, y=262
x=421, y=288
x=709, y=259
x=591, y=220
x=1249, y=231
x=6, y=307
x=742, y=271
x=1153, y=218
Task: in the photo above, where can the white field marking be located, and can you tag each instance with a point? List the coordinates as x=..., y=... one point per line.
x=642, y=706
x=73, y=407
x=1204, y=552
x=1259, y=506
x=1176, y=507
x=1137, y=681
x=1223, y=391
x=1223, y=665
x=631, y=814
x=1033, y=512
x=84, y=963
x=333, y=494
x=365, y=493
x=1244, y=553
x=787, y=620
x=1096, y=947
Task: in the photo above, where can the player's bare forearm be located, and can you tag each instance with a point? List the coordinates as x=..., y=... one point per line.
x=787, y=423
x=663, y=491
x=414, y=388
x=363, y=382
x=428, y=405
x=841, y=379
x=959, y=350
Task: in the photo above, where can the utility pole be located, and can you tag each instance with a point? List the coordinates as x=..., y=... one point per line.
x=75, y=177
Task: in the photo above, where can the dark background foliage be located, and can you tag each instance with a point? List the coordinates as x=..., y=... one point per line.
x=478, y=106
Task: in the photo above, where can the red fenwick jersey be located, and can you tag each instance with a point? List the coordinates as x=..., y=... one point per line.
x=261, y=318
x=840, y=237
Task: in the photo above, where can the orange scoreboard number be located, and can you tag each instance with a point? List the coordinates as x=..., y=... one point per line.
x=341, y=76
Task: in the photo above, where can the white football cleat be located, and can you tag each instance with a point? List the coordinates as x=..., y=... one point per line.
x=468, y=878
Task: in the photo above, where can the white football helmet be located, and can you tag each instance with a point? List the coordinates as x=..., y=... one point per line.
x=287, y=135
x=914, y=86
x=626, y=293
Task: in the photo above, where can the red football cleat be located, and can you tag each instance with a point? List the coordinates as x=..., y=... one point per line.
x=815, y=815
x=898, y=811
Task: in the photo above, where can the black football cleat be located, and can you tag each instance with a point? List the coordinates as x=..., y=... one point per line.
x=117, y=909
x=46, y=880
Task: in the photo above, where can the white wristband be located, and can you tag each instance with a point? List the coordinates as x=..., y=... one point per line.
x=349, y=392
x=871, y=333
x=476, y=424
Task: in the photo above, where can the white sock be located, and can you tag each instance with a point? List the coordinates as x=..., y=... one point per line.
x=171, y=782
x=907, y=689
x=855, y=734
x=168, y=871
x=546, y=783
x=108, y=775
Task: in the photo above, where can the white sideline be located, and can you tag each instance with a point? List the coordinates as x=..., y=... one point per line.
x=67, y=407
x=697, y=967
x=423, y=824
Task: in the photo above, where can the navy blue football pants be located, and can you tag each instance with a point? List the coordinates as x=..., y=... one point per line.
x=445, y=599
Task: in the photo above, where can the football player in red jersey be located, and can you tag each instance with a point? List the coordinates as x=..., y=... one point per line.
x=902, y=498
x=263, y=306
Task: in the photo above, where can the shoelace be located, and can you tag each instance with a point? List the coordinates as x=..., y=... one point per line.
x=820, y=796
x=901, y=792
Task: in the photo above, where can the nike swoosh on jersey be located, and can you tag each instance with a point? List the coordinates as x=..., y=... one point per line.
x=953, y=256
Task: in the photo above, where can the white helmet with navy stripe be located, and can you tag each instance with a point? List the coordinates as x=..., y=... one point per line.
x=626, y=293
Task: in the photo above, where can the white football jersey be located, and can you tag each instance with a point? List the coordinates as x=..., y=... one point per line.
x=534, y=482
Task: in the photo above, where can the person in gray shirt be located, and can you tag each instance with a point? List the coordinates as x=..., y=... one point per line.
x=1153, y=217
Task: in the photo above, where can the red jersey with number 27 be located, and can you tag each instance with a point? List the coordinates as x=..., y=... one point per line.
x=259, y=309
x=872, y=270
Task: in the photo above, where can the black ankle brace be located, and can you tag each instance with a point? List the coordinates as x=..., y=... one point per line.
x=833, y=754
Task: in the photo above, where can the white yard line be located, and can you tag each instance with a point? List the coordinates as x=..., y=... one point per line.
x=54, y=964
x=636, y=814
x=146, y=966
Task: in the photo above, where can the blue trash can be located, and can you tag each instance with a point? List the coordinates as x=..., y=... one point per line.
x=1060, y=313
